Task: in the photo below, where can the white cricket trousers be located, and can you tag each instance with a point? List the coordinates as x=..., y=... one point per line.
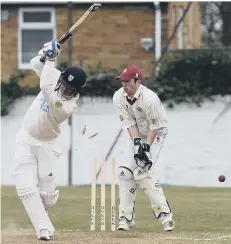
x=147, y=181
x=34, y=172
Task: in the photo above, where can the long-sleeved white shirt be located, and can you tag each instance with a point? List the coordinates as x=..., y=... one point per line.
x=43, y=118
x=146, y=111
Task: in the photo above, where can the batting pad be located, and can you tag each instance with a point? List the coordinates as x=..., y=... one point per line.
x=151, y=186
x=127, y=193
x=30, y=197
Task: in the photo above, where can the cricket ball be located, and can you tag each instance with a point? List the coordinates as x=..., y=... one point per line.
x=221, y=178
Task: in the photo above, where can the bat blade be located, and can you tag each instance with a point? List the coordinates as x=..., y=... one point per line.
x=74, y=28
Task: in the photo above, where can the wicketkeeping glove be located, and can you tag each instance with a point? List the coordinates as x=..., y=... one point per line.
x=138, y=149
x=51, y=50
x=147, y=157
x=142, y=154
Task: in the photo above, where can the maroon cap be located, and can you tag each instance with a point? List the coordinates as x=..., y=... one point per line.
x=130, y=72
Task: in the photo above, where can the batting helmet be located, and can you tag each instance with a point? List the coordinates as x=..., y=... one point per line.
x=70, y=82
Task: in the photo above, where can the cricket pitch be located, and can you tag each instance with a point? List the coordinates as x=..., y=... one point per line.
x=202, y=215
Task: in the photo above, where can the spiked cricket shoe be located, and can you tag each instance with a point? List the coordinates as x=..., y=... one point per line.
x=125, y=225
x=167, y=222
x=44, y=235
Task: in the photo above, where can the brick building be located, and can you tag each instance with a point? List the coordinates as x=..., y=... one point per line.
x=112, y=36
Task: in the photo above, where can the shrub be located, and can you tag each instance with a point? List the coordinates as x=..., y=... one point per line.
x=192, y=76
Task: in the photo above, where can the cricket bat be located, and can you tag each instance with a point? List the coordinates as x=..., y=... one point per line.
x=75, y=27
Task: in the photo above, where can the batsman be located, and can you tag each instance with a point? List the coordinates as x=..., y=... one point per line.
x=143, y=116
x=36, y=147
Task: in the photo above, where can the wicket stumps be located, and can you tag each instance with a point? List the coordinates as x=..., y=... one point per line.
x=103, y=199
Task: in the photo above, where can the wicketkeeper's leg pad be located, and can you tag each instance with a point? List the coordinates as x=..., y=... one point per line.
x=127, y=193
x=151, y=186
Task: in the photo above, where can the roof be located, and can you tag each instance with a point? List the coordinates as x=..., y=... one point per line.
x=84, y=5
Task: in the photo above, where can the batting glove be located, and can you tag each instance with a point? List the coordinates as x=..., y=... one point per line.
x=51, y=50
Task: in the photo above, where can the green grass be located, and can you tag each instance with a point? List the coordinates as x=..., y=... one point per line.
x=195, y=210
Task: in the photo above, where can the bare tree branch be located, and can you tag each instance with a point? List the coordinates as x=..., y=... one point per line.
x=218, y=4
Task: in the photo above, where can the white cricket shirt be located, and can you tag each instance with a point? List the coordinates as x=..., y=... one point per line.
x=145, y=110
x=43, y=118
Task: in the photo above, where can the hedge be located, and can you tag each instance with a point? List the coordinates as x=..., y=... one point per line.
x=193, y=76
x=190, y=76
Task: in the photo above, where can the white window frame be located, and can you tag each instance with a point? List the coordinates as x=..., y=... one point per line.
x=34, y=26
x=180, y=32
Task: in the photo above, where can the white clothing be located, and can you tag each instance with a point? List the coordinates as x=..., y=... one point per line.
x=36, y=148
x=149, y=184
x=46, y=113
x=127, y=193
x=33, y=173
x=156, y=149
x=147, y=111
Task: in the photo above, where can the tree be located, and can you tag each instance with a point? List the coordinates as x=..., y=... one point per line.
x=225, y=11
x=216, y=24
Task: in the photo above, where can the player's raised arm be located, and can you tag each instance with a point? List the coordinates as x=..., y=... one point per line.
x=36, y=64
x=50, y=75
x=36, y=146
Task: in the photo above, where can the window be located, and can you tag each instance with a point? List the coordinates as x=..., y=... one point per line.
x=35, y=27
x=180, y=32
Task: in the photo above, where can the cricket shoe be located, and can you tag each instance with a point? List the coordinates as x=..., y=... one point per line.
x=169, y=225
x=167, y=222
x=44, y=235
x=125, y=225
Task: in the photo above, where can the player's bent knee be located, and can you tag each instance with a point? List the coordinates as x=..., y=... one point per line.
x=139, y=174
x=25, y=185
x=47, y=183
x=125, y=173
x=146, y=179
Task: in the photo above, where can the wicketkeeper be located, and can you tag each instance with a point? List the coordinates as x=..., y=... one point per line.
x=36, y=147
x=143, y=116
